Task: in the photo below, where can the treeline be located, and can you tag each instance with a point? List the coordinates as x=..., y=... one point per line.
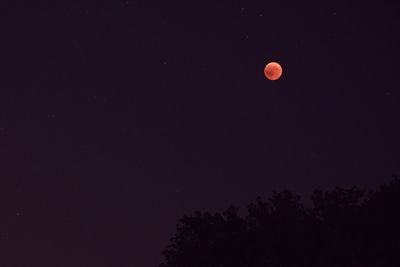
x=343, y=228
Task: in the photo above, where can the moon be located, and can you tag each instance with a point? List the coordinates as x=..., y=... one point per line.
x=273, y=71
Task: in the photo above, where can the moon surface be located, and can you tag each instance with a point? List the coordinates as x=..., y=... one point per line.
x=273, y=71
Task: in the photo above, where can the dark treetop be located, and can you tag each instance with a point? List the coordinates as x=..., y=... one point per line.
x=344, y=227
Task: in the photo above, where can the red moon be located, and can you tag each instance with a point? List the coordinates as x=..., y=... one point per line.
x=273, y=71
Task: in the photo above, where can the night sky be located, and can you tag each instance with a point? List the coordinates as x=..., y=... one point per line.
x=117, y=117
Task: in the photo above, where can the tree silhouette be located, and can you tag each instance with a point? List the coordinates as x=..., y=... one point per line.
x=382, y=216
x=345, y=227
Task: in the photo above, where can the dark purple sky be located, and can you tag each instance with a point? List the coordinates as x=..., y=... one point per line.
x=118, y=116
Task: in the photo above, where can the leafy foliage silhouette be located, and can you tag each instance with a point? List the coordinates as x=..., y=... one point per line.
x=344, y=227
